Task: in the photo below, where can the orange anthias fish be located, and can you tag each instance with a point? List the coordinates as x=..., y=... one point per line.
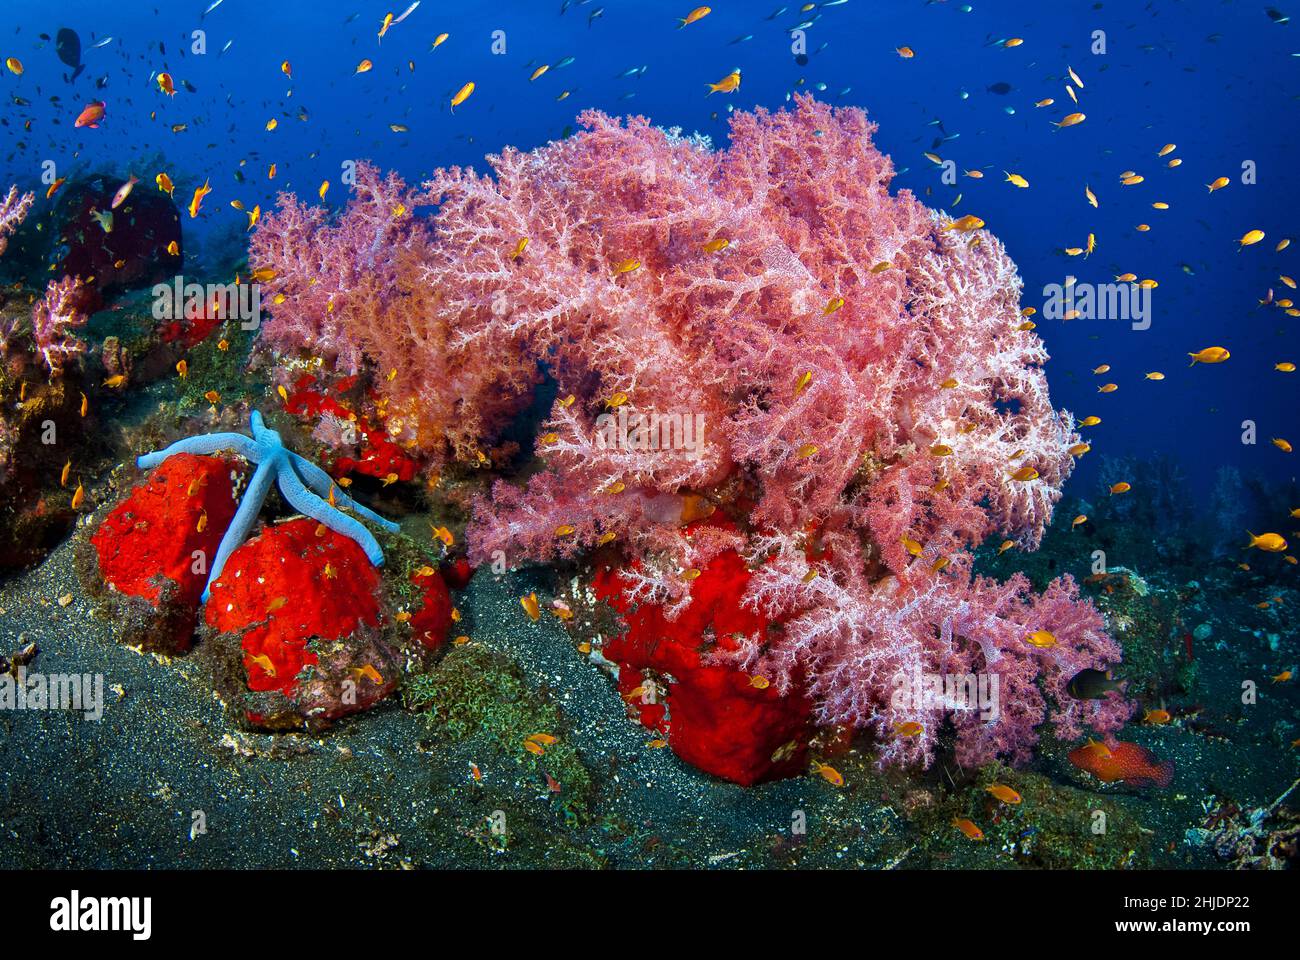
x=197, y=201
x=728, y=84
x=91, y=116
x=1137, y=766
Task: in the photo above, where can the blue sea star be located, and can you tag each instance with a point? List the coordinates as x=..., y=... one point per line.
x=297, y=479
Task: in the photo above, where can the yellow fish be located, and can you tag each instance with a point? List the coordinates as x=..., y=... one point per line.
x=1218, y=184
x=1041, y=638
x=1071, y=119
x=1268, y=542
x=1003, y=793
x=699, y=13
x=462, y=95
x=197, y=201
x=728, y=84
x=1017, y=180
x=1251, y=237
x=530, y=605
x=1209, y=355
x=829, y=774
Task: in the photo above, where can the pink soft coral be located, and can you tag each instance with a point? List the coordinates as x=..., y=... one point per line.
x=13, y=211
x=54, y=317
x=863, y=380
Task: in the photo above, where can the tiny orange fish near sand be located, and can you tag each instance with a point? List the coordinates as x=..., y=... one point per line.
x=367, y=672
x=1121, y=487
x=531, y=607
x=968, y=827
x=1003, y=793
x=828, y=773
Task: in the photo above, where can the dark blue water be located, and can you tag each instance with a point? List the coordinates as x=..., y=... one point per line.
x=1219, y=79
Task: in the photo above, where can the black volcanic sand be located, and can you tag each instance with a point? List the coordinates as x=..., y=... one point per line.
x=386, y=790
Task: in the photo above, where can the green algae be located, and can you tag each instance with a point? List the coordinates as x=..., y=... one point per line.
x=1054, y=827
x=474, y=692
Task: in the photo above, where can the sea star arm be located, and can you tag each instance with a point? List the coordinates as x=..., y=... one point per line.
x=206, y=444
x=319, y=482
x=307, y=503
x=249, y=507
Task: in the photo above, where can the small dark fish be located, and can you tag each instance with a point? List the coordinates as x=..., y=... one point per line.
x=598, y=12
x=1093, y=685
x=1001, y=88
x=1277, y=16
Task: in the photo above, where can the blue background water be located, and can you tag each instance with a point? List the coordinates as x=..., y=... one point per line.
x=1217, y=79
